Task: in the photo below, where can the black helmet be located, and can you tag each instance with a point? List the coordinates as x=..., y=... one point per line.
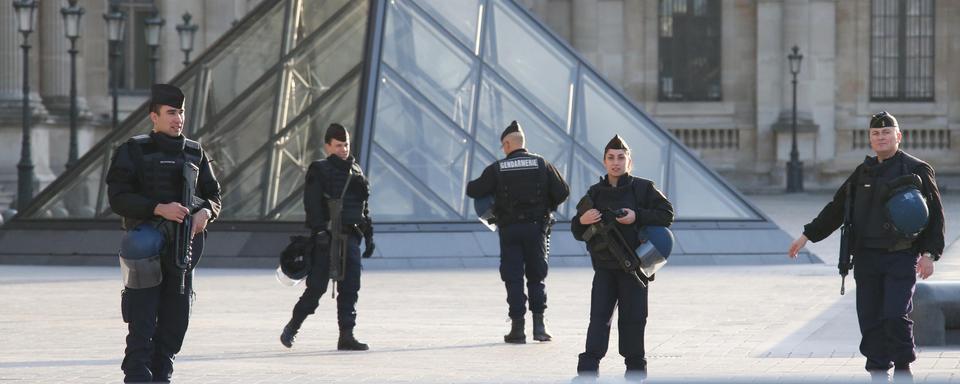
x=295, y=260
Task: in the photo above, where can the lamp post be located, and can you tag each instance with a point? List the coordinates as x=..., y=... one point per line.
x=115, y=24
x=153, y=28
x=186, y=32
x=25, y=12
x=71, y=20
x=794, y=166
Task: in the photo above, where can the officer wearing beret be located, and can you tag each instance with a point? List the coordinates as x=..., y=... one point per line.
x=642, y=204
x=527, y=189
x=886, y=260
x=145, y=185
x=338, y=175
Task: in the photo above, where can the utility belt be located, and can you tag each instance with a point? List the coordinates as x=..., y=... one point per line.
x=900, y=245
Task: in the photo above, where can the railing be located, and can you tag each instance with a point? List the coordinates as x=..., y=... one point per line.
x=913, y=139
x=727, y=138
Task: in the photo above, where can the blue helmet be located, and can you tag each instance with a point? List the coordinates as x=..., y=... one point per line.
x=483, y=206
x=660, y=237
x=655, y=249
x=142, y=242
x=906, y=208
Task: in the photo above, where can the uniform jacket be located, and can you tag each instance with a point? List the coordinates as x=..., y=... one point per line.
x=556, y=190
x=325, y=179
x=638, y=194
x=872, y=171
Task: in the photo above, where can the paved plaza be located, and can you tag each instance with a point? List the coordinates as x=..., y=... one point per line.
x=783, y=323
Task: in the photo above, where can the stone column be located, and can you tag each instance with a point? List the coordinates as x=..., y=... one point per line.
x=821, y=68
x=771, y=61
x=54, y=60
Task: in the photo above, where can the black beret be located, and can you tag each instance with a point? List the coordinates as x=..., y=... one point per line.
x=166, y=94
x=335, y=131
x=616, y=143
x=883, y=120
x=513, y=127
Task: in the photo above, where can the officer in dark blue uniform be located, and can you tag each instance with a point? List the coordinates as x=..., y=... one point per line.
x=527, y=190
x=145, y=184
x=644, y=205
x=887, y=262
x=339, y=175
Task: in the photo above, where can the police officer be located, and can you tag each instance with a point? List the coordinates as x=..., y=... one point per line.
x=644, y=205
x=145, y=187
x=527, y=189
x=327, y=179
x=886, y=262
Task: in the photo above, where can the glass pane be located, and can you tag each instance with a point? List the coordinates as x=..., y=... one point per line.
x=499, y=106
x=237, y=135
x=315, y=13
x=586, y=171
x=246, y=59
x=338, y=51
x=459, y=17
x=303, y=143
x=395, y=198
x=696, y=195
x=531, y=61
x=426, y=144
x=603, y=114
x=79, y=199
x=432, y=64
x=243, y=194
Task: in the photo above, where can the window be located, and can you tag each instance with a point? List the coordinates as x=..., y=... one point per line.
x=901, y=50
x=689, y=50
x=135, y=54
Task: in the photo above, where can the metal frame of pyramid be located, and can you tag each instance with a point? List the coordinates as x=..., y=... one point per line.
x=428, y=84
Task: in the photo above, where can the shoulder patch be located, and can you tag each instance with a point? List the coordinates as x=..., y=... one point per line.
x=519, y=163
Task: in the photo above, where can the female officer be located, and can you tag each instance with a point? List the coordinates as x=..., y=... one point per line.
x=628, y=203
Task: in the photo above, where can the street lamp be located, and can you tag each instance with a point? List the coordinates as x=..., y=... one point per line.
x=154, y=24
x=25, y=12
x=794, y=166
x=186, y=32
x=115, y=24
x=71, y=21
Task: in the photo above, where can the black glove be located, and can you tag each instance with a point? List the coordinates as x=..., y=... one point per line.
x=368, y=251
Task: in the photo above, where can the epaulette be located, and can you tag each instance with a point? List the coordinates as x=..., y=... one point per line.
x=141, y=139
x=191, y=144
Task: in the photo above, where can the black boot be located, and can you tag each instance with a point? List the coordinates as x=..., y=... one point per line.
x=516, y=335
x=289, y=333
x=540, y=332
x=349, y=343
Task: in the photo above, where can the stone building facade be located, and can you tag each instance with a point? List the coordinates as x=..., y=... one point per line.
x=859, y=57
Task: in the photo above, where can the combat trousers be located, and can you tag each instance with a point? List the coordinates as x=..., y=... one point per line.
x=613, y=288
x=347, y=290
x=157, y=320
x=523, y=252
x=885, y=285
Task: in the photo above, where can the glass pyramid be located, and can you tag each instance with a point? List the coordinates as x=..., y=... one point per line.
x=425, y=86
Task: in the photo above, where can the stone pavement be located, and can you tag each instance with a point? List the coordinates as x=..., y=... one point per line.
x=707, y=324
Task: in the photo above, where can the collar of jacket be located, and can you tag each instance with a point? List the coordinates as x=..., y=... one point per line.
x=168, y=144
x=341, y=164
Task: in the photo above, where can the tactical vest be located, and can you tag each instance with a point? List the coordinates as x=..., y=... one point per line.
x=605, y=197
x=161, y=172
x=357, y=192
x=872, y=227
x=521, y=195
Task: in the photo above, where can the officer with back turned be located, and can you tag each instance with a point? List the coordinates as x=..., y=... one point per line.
x=145, y=184
x=887, y=255
x=527, y=189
